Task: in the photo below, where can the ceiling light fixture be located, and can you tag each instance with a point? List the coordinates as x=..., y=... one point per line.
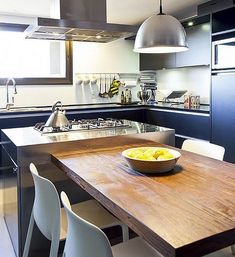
x=190, y=23
x=161, y=33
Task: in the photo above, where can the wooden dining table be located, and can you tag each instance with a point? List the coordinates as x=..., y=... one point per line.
x=187, y=212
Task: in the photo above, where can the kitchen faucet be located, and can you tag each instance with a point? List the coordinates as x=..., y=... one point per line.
x=8, y=104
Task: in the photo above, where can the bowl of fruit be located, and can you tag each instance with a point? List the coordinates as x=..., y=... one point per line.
x=151, y=159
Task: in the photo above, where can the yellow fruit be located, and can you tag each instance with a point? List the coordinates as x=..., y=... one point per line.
x=150, y=154
x=149, y=151
x=135, y=153
x=165, y=156
x=161, y=151
x=156, y=155
x=169, y=155
x=140, y=157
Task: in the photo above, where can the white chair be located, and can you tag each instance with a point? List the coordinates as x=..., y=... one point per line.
x=51, y=219
x=86, y=240
x=204, y=148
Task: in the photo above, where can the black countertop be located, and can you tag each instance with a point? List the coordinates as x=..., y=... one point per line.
x=27, y=111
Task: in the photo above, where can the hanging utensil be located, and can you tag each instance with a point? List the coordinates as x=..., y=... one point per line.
x=110, y=87
x=100, y=85
x=105, y=94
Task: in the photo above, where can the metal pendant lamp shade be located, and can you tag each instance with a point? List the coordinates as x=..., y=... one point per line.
x=161, y=33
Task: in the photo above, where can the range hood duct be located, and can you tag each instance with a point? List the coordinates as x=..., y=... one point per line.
x=80, y=20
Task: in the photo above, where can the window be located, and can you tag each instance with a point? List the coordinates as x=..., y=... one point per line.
x=32, y=61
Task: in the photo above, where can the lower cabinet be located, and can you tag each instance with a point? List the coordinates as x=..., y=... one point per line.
x=186, y=124
x=25, y=120
x=135, y=114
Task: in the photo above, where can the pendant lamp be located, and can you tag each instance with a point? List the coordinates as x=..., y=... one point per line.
x=161, y=33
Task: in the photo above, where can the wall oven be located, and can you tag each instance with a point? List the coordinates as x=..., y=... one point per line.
x=223, y=54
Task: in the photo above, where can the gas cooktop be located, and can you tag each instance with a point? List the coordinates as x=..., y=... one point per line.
x=84, y=125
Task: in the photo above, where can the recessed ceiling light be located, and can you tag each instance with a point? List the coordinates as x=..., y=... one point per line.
x=190, y=23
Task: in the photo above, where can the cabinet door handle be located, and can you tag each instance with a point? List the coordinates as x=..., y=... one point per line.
x=216, y=55
x=9, y=167
x=5, y=142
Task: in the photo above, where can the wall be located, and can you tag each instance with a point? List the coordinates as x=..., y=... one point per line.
x=113, y=57
x=196, y=80
x=26, y=7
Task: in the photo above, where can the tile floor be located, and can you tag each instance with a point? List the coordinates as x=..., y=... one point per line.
x=6, y=249
x=222, y=253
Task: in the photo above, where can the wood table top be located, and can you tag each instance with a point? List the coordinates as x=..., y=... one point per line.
x=187, y=212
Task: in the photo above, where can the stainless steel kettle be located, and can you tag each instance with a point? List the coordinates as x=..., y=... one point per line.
x=57, y=119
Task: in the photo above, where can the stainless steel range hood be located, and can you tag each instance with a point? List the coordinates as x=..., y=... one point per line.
x=80, y=20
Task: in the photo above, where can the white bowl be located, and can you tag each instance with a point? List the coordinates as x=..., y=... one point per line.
x=151, y=166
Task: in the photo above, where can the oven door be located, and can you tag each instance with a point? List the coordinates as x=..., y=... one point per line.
x=223, y=54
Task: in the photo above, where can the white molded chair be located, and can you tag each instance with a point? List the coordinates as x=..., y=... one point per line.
x=204, y=148
x=87, y=240
x=51, y=218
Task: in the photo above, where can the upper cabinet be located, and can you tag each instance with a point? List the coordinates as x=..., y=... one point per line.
x=157, y=61
x=199, y=53
x=223, y=21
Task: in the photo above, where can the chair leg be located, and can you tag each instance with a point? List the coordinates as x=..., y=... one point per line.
x=29, y=236
x=233, y=249
x=54, y=247
x=125, y=232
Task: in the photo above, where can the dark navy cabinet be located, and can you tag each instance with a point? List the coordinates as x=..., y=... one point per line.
x=223, y=113
x=199, y=52
x=223, y=20
x=30, y=119
x=135, y=114
x=186, y=124
x=157, y=61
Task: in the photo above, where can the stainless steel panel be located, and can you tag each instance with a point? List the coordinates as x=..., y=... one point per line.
x=80, y=20
x=9, y=170
x=83, y=10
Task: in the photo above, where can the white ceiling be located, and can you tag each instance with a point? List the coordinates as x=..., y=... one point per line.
x=136, y=11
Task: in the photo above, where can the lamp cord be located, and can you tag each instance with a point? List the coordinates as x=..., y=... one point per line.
x=161, y=7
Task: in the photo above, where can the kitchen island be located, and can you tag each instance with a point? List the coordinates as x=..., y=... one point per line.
x=25, y=145
x=194, y=122
x=187, y=212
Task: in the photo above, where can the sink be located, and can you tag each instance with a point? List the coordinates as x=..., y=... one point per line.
x=20, y=109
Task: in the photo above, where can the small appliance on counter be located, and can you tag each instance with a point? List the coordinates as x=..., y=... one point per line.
x=144, y=96
x=148, y=85
x=173, y=96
